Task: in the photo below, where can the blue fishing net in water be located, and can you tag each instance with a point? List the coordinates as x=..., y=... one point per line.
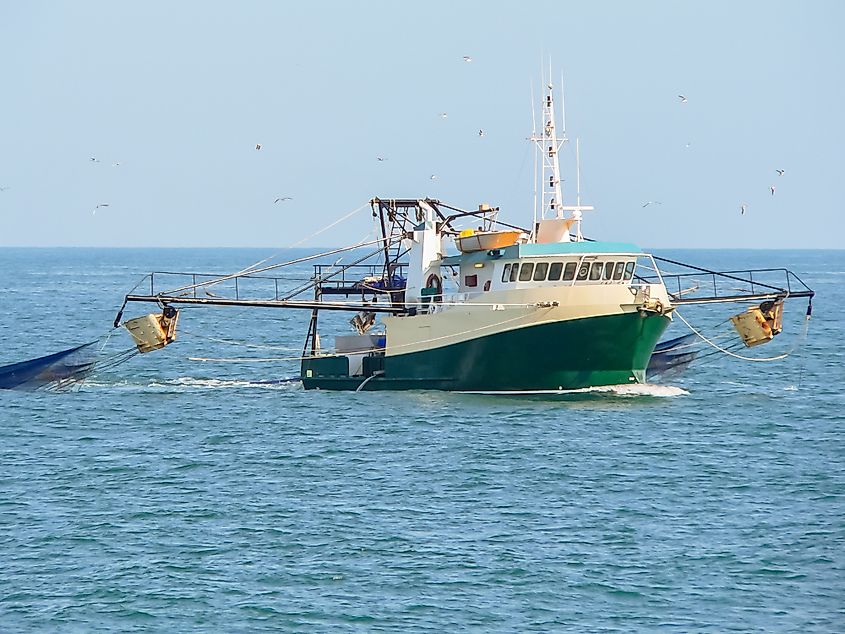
x=60, y=371
x=672, y=356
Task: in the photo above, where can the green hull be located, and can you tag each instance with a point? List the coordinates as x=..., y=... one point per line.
x=609, y=350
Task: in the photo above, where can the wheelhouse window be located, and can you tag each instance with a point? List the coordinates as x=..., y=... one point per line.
x=525, y=271
x=568, y=271
x=583, y=271
x=506, y=272
x=618, y=271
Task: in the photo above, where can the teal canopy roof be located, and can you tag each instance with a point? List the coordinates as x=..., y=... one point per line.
x=552, y=248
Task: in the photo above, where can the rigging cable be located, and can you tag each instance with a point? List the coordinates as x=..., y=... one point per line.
x=250, y=268
x=757, y=359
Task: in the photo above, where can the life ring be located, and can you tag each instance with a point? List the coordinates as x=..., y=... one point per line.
x=436, y=283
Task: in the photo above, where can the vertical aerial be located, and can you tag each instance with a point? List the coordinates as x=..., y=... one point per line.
x=548, y=145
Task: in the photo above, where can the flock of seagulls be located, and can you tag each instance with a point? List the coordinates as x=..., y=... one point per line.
x=94, y=159
x=443, y=115
x=744, y=206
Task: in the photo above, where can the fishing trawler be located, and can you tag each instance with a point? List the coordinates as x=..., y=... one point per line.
x=454, y=299
x=491, y=307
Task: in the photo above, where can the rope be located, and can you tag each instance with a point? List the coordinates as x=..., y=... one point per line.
x=739, y=356
x=233, y=342
x=274, y=266
x=250, y=268
x=327, y=227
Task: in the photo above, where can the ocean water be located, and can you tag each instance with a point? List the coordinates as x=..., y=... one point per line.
x=177, y=495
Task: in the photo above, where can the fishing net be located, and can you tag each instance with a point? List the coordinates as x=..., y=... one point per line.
x=61, y=371
x=672, y=356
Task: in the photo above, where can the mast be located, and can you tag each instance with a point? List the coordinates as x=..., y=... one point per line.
x=533, y=134
x=577, y=212
x=549, y=144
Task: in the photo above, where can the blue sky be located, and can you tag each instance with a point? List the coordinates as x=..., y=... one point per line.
x=179, y=93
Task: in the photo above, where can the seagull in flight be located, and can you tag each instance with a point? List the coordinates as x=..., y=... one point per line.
x=443, y=115
x=652, y=202
x=742, y=208
x=780, y=172
x=380, y=158
x=282, y=199
x=94, y=213
x=772, y=188
x=433, y=177
x=257, y=146
x=467, y=58
x=481, y=133
x=94, y=159
x=682, y=98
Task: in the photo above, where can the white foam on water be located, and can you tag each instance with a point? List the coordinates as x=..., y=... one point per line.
x=216, y=384
x=642, y=389
x=186, y=383
x=626, y=390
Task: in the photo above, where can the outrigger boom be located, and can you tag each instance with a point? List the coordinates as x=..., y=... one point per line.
x=165, y=300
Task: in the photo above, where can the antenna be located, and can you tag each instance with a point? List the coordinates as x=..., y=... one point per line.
x=533, y=135
x=562, y=106
x=578, y=171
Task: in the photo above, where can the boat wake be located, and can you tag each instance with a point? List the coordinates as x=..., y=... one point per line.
x=635, y=390
x=640, y=389
x=190, y=384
